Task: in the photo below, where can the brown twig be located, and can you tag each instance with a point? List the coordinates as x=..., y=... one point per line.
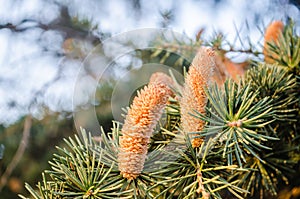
x=201, y=189
x=19, y=153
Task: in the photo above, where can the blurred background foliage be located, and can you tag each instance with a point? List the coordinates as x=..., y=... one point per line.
x=62, y=33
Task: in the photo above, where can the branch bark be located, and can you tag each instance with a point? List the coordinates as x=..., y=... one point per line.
x=19, y=153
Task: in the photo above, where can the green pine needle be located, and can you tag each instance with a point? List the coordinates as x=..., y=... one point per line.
x=286, y=51
x=237, y=118
x=192, y=169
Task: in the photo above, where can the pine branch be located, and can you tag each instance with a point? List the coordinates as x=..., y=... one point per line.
x=286, y=49
x=195, y=172
x=237, y=119
x=278, y=83
x=78, y=172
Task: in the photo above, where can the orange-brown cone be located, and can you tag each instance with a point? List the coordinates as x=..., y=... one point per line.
x=139, y=125
x=193, y=95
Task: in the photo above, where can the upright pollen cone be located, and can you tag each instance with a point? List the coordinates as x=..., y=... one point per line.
x=193, y=94
x=271, y=37
x=139, y=124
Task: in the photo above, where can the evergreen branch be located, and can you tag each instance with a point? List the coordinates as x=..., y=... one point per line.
x=277, y=82
x=240, y=118
x=81, y=173
x=285, y=50
x=263, y=177
x=196, y=172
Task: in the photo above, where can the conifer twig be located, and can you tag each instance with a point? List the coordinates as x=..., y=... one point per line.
x=201, y=189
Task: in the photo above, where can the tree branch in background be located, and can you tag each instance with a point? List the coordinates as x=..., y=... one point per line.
x=64, y=23
x=20, y=151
